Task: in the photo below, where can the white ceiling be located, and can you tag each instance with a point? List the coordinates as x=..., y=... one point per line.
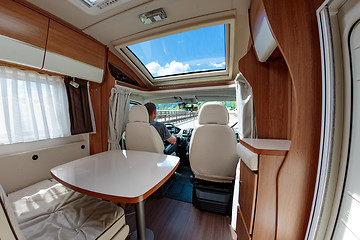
x=116, y=25
x=201, y=94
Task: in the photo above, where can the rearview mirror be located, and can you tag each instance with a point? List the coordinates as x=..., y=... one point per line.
x=181, y=105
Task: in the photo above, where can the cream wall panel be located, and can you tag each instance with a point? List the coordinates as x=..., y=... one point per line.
x=64, y=65
x=15, y=51
x=20, y=170
x=264, y=41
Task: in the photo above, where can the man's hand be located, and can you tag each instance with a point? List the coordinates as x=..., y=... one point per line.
x=172, y=139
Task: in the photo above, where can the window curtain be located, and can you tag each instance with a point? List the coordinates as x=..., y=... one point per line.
x=79, y=106
x=118, y=115
x=33, y=106
x=245, y=108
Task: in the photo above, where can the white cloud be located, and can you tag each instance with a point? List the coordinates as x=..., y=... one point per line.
x=173, y=68
x=218, y=65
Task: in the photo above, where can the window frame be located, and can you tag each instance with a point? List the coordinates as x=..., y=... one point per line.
x=208, y=76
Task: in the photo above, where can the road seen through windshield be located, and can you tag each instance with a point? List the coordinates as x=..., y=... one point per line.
x=192, y=123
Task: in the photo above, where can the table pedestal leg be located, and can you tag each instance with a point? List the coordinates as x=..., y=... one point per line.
x=142, y=233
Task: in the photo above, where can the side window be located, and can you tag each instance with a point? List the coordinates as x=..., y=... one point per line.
x=132, y=103
x=33, y=106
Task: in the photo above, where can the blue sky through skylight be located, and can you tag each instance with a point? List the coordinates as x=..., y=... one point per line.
x=193, y=51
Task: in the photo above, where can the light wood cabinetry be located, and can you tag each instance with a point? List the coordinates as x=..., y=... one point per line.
x=258, y=189
x=294, y=25
x=265, y=220
x=242, y=232
x=30, y=38
x=247, y=195
x=23, y=24
x=67, y=42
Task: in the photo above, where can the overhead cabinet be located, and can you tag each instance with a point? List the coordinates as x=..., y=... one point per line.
x=32, y=39
x=23, y=34
x=71, y=53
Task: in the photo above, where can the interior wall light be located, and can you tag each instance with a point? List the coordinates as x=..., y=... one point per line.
x=153, y=16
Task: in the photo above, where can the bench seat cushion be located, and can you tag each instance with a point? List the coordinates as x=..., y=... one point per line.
x=49, y=210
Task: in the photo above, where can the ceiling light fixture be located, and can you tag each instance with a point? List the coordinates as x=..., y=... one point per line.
x=153, y=16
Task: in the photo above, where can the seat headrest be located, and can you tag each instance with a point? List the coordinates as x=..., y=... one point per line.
x=213, y=113
x=138, y=113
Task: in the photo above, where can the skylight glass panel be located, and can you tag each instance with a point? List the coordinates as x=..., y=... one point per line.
x=200, y=50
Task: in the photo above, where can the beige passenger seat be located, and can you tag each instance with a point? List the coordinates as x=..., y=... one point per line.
x=212, y=152
x=213, y=159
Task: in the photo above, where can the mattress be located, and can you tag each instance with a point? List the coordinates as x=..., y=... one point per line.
x=49, y=210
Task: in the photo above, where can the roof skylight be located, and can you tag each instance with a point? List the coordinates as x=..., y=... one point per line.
x=195, y=51
x=191, y=54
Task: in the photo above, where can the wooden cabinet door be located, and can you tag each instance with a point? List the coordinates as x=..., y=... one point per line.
x=241, y=231
x=23, y=24
x=69, y=43
x=247, y=194
x=265, y=220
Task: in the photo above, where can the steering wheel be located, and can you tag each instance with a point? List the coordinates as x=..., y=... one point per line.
x=172, y=127
x=170, y=148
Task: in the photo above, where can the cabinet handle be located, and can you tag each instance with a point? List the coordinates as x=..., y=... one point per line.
x=240, y=182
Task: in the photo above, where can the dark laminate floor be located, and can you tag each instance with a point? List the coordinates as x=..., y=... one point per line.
x=171, y=220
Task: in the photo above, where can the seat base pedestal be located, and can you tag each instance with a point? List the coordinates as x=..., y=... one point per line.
x=213, y=197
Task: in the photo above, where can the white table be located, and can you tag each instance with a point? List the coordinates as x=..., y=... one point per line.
x=120, y=177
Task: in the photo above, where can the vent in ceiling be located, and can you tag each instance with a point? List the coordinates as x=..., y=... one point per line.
x=101, y=4
x=95, y=7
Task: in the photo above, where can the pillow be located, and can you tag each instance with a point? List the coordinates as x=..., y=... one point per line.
x=9, y=217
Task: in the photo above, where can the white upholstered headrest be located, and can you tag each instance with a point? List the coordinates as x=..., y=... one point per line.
x=138, y=113
x=213, y=113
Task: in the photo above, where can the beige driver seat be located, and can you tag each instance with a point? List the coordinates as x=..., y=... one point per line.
x=140, y=135
x=212, y=152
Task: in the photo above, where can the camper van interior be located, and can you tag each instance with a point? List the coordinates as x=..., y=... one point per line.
x=255, y=133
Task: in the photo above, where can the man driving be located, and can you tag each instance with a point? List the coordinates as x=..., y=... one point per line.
x=159, y=126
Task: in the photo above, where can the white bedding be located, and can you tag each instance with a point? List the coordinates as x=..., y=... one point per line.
x=48, y=210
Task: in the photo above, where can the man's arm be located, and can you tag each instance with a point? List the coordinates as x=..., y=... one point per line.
x=172, y=139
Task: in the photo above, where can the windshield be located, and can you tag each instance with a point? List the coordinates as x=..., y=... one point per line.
x=186, y=115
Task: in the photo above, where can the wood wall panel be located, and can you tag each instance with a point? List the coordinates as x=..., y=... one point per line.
x=107, y=85
x=294, y=26
x=23, y=24
x=241, y=231
x=96, y=139
x=271, y=86
x=265, y=219
x=247, y=195
x=69, y=43
x=117, y=62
